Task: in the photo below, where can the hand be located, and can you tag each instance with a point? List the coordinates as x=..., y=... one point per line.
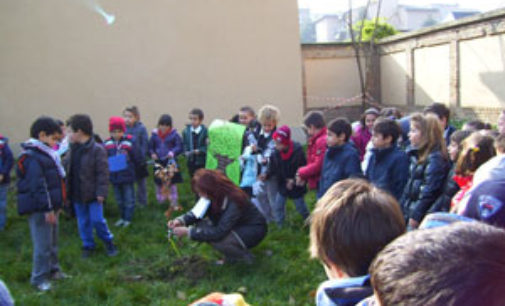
x=413, y=223
x=1, y=178
x=170, y=154
x=290, y=183
x=196, y=152
x=254, y=148
x=262, y=177
x=174, y=223
x=299, y=181
x=181, y=231
x=100, y=199
x=51, y=217
x=154, y=156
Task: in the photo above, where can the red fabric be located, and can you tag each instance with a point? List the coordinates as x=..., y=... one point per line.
x=282, y=135
x=315, y=157
x=465, y=183
x=361, y=138
x=117, y=123
x=164, y=135
x=285, y=155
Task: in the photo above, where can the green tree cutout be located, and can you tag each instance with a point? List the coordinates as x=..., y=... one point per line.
x=368, y=26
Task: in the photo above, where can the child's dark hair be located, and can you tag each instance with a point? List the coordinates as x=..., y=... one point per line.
x=475, y=125
x=234, y=119
x=314, y=118
x=391, y=113
x=499, y=143
x=165, y=119
x=81, y=122
x=457, y=264
x=477, y=149
x=438, y=109
x=339, y=126
x=351, y=223
x=387, y=127
x=134, y=110
x=249, y=110
x=44, y=124
x=459, y=136
x=197, y=112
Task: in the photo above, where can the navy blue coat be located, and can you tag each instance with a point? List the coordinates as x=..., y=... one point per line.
x=339, y=163
x=389, y=169
x=425, y=184
x=140, y=139
x=40, y=186
x=163, y=146
x=6, y=160
x=124, y=146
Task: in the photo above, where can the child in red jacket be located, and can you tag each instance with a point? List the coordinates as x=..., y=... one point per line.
x=316, y=128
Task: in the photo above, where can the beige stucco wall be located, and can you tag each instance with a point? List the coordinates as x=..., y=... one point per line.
x=483, y=72
x=393, y=74
x=58, y=57
x=432, y=75
x=329, y=80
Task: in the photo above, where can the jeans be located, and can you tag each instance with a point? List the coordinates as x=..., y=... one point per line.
x=280, y=208
x=45, y=248
x=90, y=216
x=3, y=205
x=125, y=198
x=142, y=191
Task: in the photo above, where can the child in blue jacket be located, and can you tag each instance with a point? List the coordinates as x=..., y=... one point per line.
x=388, y=167
x=341, y=159
x=6, y=162
x=164, y=146
x=40, y=195
x=122, y=163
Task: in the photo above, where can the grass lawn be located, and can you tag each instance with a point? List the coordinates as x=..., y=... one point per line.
x=148, y=271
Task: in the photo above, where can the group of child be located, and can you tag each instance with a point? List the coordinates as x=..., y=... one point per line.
x=374, y=180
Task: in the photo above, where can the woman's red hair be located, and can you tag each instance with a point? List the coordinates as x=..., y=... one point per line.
x=217, y=186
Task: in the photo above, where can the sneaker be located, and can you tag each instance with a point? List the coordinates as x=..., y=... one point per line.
x=86, y=252
x=44, y=286
x=58, y=275
x=126, y=223
x=119, y=223
x=111, y=249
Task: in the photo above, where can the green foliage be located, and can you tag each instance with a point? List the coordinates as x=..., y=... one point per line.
x=147, y=271
x=384, y=29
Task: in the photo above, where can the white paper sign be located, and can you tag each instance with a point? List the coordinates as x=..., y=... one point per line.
x=200, y=208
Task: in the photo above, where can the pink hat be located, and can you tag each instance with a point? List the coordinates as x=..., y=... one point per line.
x=117, y=123
x=283, y=135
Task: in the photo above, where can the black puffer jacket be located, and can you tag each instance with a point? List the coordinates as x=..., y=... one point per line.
x=443, y=203
x=247, y=222
x=285, y=170
x=425, y=184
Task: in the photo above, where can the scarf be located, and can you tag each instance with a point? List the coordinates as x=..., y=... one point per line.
x=163, y=135
x=32, y=142
x=285, y=155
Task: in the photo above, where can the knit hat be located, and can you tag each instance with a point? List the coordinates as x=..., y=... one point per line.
x=487, y=203
x=117, y=123
x=282, y=135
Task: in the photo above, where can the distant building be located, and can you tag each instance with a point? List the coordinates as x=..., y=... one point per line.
x=327, y=28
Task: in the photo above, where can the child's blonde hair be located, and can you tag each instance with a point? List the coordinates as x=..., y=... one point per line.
x=432, y=135
x=269, y=112
x=477, y=149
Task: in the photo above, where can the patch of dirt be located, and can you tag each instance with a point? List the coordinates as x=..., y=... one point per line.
x=192, y=268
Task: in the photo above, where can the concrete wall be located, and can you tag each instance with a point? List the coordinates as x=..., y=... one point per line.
x=59, y=57
x=461, y=64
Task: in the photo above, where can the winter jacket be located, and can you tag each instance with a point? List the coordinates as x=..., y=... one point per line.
x=315, y=157
x=140, y=139
x=6, y=160
x=389, y=169
x=425, y=184
x=339, y=163
x=344, y=292
x=447, y=134
x=360, y=138
x=92, y=175
x=125, y=146
x=247, y=222
x=195, y=160
x=443, y=202
x=40, y=185
x=162, y=147
x=283, y=170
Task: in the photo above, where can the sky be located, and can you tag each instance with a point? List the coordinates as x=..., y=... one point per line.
x=333, y=6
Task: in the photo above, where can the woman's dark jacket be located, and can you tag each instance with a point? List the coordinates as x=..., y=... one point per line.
x=425, y=184
x=247, y=222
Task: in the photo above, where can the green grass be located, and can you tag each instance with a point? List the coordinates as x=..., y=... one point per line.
x=147, y=270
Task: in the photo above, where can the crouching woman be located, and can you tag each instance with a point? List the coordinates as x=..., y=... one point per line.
x=230, y=222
